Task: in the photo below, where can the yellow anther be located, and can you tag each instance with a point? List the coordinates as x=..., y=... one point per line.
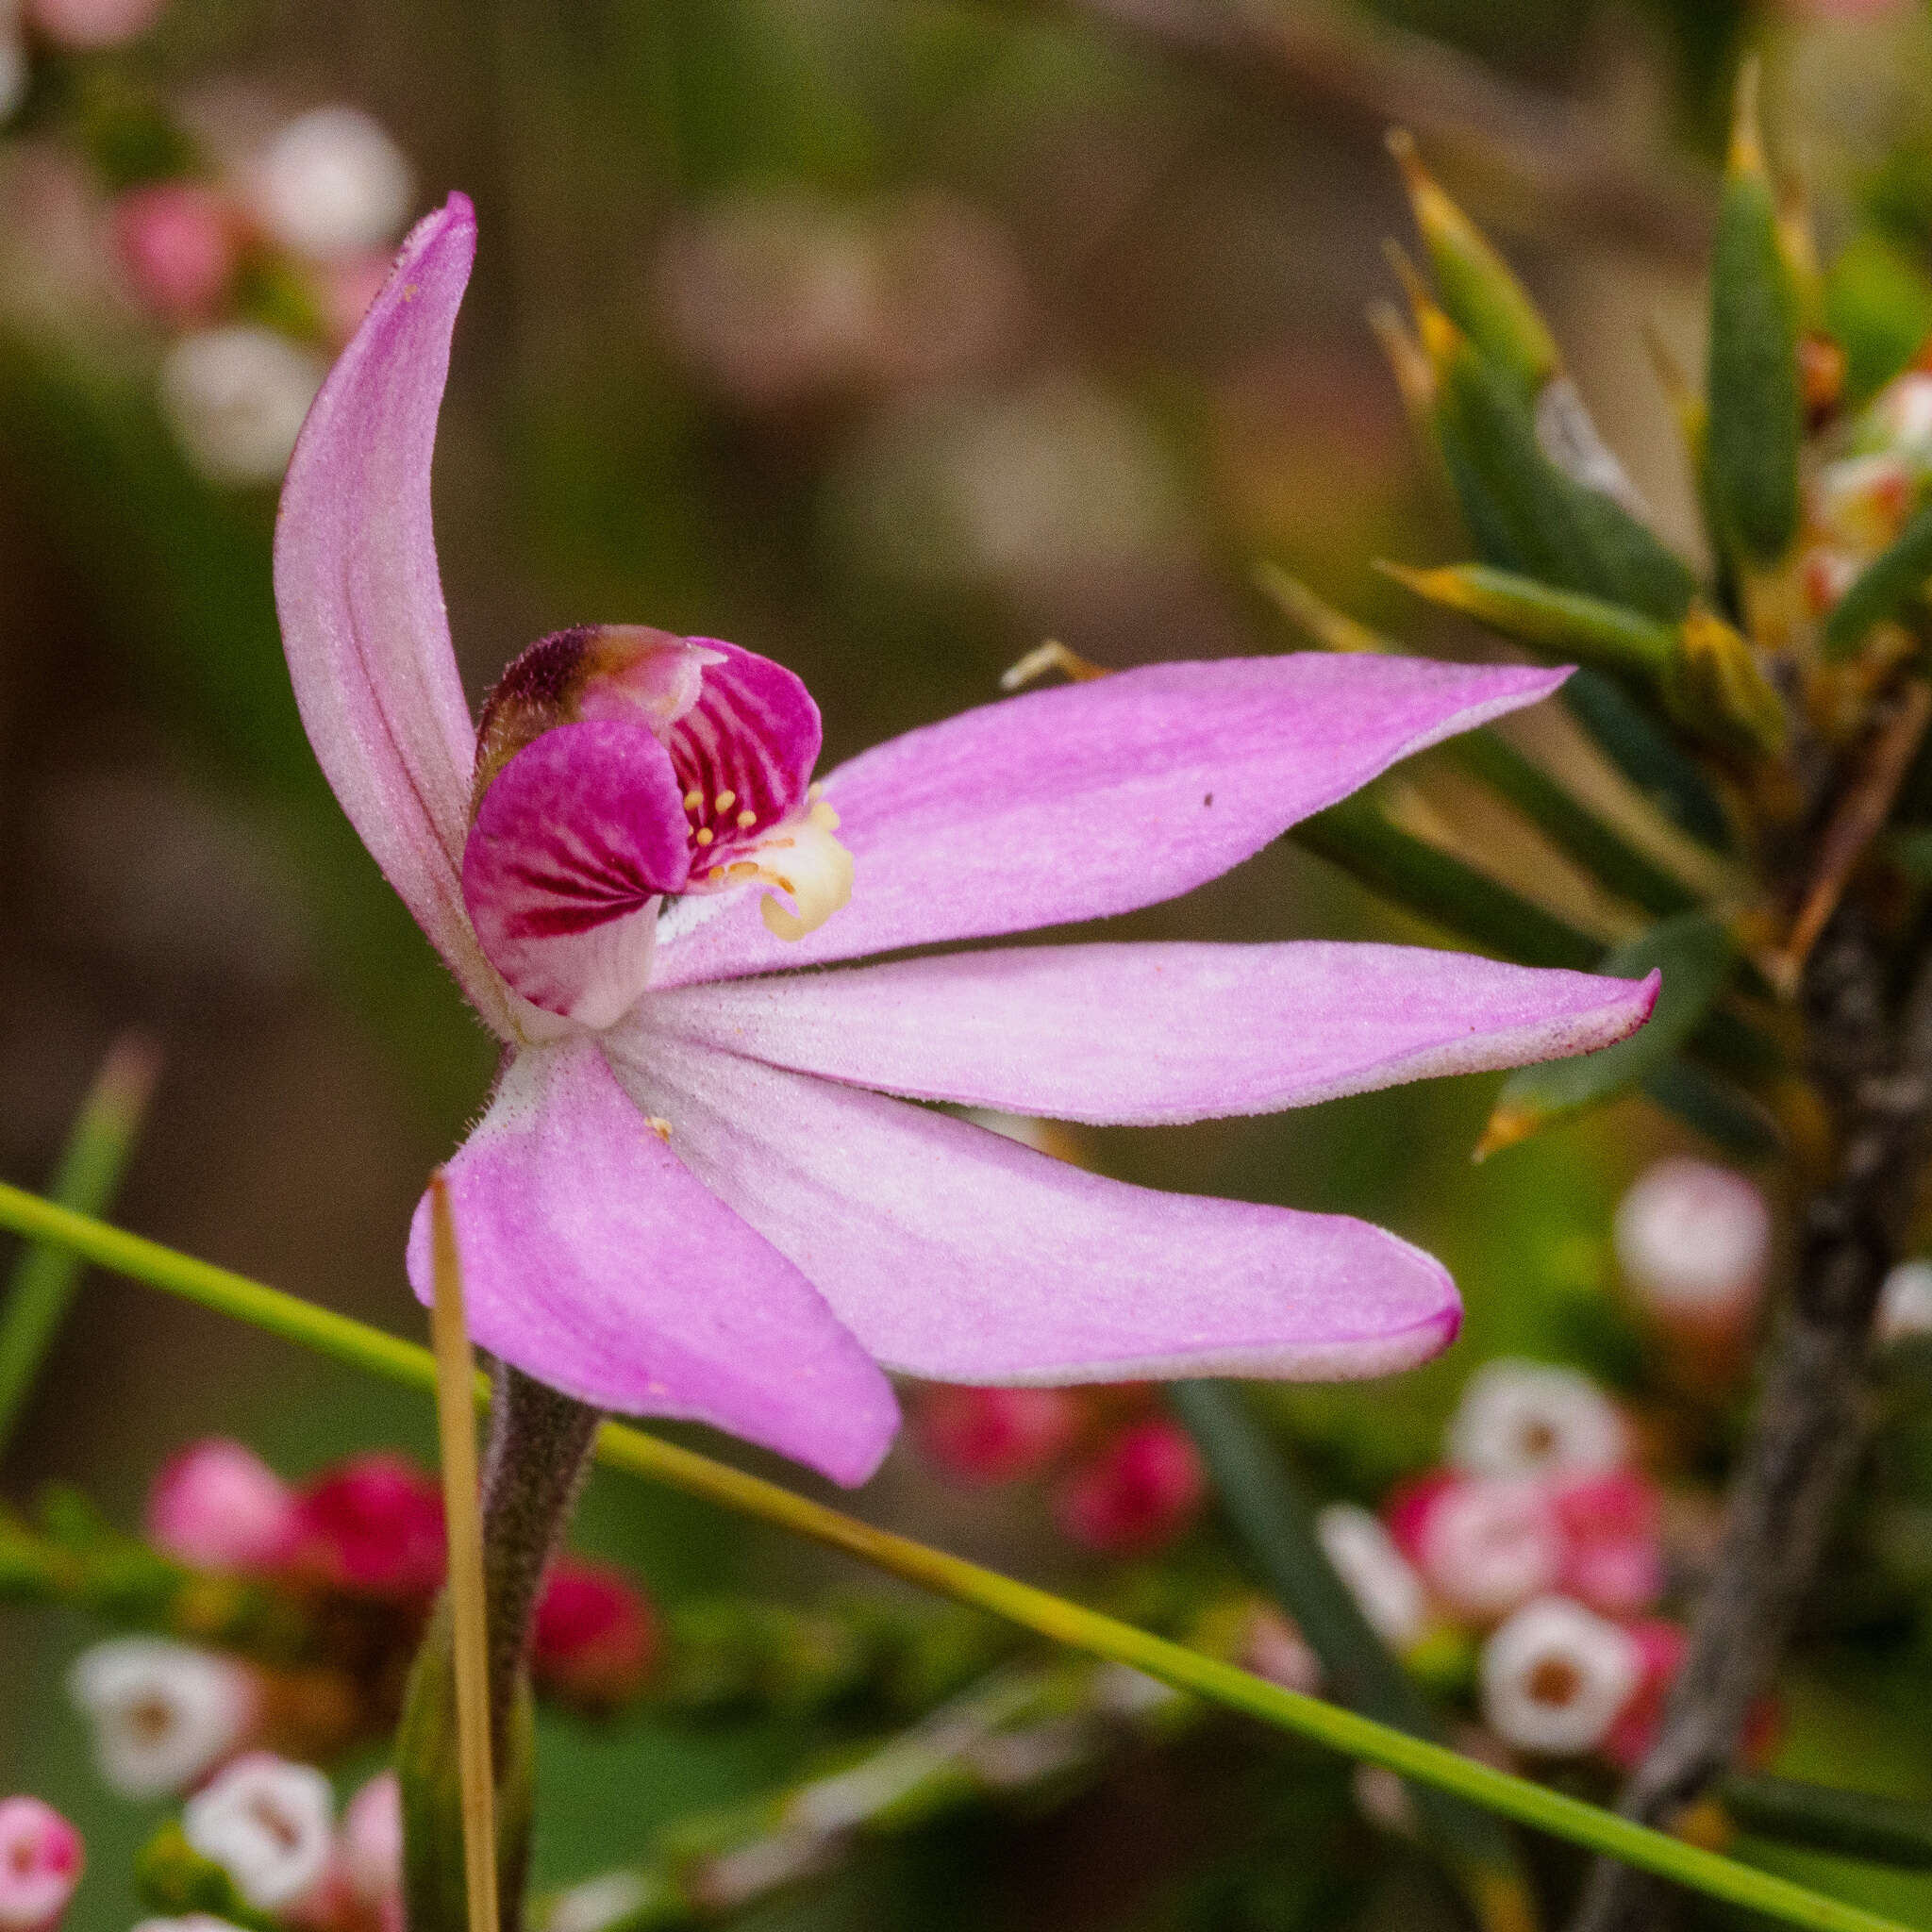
x=658, y=1125
x=746, y=819
x=814, y=790
x=705, y=835
x=741, y=869
x=693, y=800
x=716, y=873
x=727, y=799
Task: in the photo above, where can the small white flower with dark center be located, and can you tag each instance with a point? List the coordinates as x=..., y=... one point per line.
x=236, y=397
x=1904, y=1303
x=1380, y=1578
x=1520, y=1418
x=268, y=1823
x=332, y=183
x=1692, y=1240
x=163, y=1714
x=1556, y=1676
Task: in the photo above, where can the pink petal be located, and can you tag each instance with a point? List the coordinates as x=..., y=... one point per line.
x=1152, y=1033
x=361, y=601
x=594, y=1262
x=575, y=840
x=952, y=1253
x=1095, y=798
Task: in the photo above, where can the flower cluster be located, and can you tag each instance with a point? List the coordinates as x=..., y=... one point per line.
x=354, y=1557
x=1872, y=472
x=1126, y=1480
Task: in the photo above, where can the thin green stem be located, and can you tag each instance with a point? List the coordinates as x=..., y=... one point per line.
x=1037, y=1611
x=46, y=1277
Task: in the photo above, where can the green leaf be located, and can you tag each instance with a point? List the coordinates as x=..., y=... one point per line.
x=1730, y=1119
x=1881, y=589
x=1664, y=773
x=1694, y=952
x=1756, y=407
x=1263, y=1499
x=1049, y=1616
x=1851, y=1824
x=1878, y=307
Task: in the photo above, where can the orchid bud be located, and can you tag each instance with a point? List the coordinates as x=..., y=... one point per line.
x=1693, y=1241
x=1554, y=1678
x=373, y=1523
x=1904, y=1303
x=217, y=1506
x=996, y=1435
x=269, y=1824
x=1385, y=1586
x=236, y=398
x=1521, y=1418
x=92, y=23
x=1613, y=1556
x=164, y=1715
x=1140, y=1492
x=332, y=183
x=1660, y=1650
x=1482, y=1545
x=41, y=1856
x=176, y=242
x=594, y=1638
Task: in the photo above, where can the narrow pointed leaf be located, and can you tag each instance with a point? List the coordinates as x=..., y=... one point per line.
x=1820, y=1818
x=1054, y=1618
x=1264, y=1502
x=1726, y=1116
x=1665, y=774
x=1694, y=952
x=1756, y=404
x=1883, y=588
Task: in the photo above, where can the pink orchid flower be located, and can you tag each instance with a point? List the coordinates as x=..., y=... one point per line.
x=693, y=1193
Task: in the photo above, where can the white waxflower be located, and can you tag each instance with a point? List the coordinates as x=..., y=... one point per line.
x=1556, y=1676
x=236, y=397
x=188, y=1922
x=1693, y=1239
x=269, y=1824
x=332, y=183
x=1521, y=1418
x=1904, y=1303
x=163, y=1714
x=1378, y=1575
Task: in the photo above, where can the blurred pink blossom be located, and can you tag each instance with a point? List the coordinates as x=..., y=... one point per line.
x=217, y=1506
x=1483, y=1545
x=179, y=244
x=994, y=1435
x=92, y=23
x=1137, y=1493
x=1613, y=1540
x=40, y=1858
x=594, y=1638
x=373, y=1523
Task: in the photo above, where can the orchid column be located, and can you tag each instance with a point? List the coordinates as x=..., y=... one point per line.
x=698, y=1191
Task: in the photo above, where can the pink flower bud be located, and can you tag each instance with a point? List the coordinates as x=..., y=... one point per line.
x=269, y=1824
x=1613, y=1536
x=1693, y=1241
x=177, y=242
x=41, y=1856
x=370, y=1848
x=1484, y=1546
x=994, y=1435
x=217, y=1506
x=1555, y=1677
x=373, y=1523
x=594, y=1638
x=92, y=23
x=1140, y=1492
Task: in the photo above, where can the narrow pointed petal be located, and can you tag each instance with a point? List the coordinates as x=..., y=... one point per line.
x=1097, y=798
x=574, y=841
x=360, y=598
x=952, y=1253
x=1145, y=1034
x=593, y=1260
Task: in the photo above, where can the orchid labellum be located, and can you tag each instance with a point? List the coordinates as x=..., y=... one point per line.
x=701, y=1190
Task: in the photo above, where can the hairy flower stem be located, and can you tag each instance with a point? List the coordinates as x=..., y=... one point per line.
x=539, y=1452
x=1810, y=1420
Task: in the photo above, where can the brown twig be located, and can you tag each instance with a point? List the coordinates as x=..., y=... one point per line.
x=1809, y=1423
x=1556, y=157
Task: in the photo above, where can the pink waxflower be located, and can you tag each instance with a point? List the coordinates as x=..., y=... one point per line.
x=179, y=244
x=92, y=23
x=1484, y=1545
x=217, y=1506
x=1660, y=1647
x=373, y=1523
x=41, y=1856
x=594, y=1638
x=369, y=1851
x=996, y=1435
x=1612, y=1524
x=1135, y=1492
x=697, y=1191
